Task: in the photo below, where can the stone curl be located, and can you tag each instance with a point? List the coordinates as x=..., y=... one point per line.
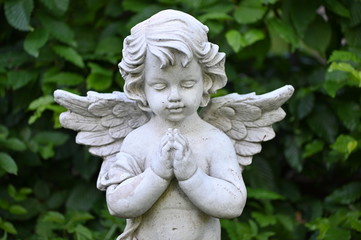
x=167, y=35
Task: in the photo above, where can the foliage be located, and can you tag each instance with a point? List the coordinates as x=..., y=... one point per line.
x=304, y=185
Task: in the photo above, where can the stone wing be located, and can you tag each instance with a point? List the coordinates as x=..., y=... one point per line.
x=102, y=121
x=247, y=119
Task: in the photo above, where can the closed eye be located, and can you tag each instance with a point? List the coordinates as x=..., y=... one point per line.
x=188, y=83
x=159, y=86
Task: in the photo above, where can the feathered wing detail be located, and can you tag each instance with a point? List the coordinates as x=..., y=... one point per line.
x=102, y=121
x=247, y=119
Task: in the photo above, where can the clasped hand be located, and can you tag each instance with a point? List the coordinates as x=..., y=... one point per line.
x=173, y=158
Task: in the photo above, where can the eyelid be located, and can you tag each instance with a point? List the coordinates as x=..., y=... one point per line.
x=158, y=86
x=188, y=83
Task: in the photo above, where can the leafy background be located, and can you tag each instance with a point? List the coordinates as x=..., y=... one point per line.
x=306, y=183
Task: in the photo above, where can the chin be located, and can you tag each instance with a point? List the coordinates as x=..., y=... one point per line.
x=176, y=118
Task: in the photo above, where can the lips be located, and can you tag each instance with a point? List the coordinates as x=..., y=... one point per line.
x=175, y=108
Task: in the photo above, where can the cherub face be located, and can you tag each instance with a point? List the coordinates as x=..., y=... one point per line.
x=174, y=92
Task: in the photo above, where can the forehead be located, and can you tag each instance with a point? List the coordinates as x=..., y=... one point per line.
x=154, y=69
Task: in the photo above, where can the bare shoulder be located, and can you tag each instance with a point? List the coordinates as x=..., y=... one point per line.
x=215, y=134
x=136, y=142
x=217, y=138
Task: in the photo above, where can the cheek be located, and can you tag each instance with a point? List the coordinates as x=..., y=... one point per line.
x=198, y=94
x=155, y=98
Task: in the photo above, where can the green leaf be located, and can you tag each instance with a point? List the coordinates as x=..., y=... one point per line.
x=338, y=55
x=20, y=78
x=237, y=40
x=100, y=78
x=41, y=102
x=236, y=230
x=17, y=210
x=326, y=130
x=7, y=227
x=269, y=1
x=135, y=5
x=58, y=7
x=39, y=106
x=64, y=78
x=287, y=221
x=4, y=132
x=20, y=195
x=345, y=144
x=83, y=233
x=234, y=39
x=318, y=35
x=305, y=105
x=54, y=138
x=313, y=148
x=69, y=54
x=47, y=151
x=252, y=36
x=334, y=81
x=353, y=37
x=249, y=11
x=56, y=200
x=336, y=7
x=80, y=192
x=336, y=233
x=58, y=29
x=54, y=217
x=348, y=68
x=349, y=113
x=293, y=155
x=264, y=220
x=35, y=40
x=260, y=174
x=220, y=7
x=263, y=194
x=355, y=11
x=109, y=47
x=347, y=194
x=45, y=142
x=76, y=217
x=302, y=14
x=15, y=144
x=214, y=16
x=284, y=30
x=8, y=164
x=18, y=13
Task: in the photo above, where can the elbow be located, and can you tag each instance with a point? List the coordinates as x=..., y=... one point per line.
x=233, y=210
x=235, y=207
x=121, y=207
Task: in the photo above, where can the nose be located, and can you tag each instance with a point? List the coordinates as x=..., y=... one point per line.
x=174, y=95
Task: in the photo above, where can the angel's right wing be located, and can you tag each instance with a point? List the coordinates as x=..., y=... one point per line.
x=102, y=121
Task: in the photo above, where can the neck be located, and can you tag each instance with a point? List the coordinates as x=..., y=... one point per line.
x=187, y=125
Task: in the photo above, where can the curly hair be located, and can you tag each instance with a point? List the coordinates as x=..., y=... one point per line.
x=166, y=35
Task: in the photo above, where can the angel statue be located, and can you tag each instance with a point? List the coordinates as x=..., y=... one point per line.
x=172, y=171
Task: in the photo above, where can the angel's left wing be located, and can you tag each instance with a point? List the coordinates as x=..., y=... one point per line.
x=247, y=119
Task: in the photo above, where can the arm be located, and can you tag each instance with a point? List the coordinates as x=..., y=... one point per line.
x=135, y=192
x=134, y=196
x=217, y=197
x=221, y=194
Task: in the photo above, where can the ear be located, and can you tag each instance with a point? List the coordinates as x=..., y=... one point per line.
x=144, y=106
x=207, y=84
x=205, y=100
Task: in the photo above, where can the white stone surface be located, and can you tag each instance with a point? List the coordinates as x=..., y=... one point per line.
x=171, y=171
